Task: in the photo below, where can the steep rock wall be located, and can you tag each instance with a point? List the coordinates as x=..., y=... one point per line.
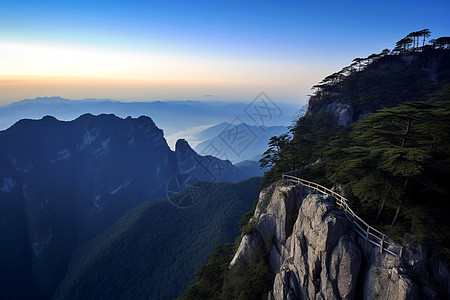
x=313, y=253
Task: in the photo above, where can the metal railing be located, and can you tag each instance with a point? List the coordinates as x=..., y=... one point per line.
x=370, y=234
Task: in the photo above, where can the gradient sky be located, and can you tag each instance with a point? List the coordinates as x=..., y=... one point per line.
x=198, y=50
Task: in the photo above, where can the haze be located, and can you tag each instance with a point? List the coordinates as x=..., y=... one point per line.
x=173, y=50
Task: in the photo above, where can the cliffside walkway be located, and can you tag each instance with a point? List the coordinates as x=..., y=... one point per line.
x=370, y=234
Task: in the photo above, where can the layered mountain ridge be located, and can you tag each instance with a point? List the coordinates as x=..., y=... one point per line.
x=237, y=142
x=63, y=183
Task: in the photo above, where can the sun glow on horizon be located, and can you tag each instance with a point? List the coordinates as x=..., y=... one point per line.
x=15, y=88
x=31, y=69
x=19, y=58
x=170, y=50
x=72, y=60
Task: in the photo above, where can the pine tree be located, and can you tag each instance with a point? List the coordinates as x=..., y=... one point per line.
x=385, y=152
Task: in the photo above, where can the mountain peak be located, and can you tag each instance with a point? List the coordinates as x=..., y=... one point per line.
x=143, y=120
x=58, y=100
x=52, y=98
x=182, y=146
x=42, y=100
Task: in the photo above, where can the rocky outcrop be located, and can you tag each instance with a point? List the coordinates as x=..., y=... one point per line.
x=319, y=255
x=314, y=253
x=342, y=113
x=204, y=168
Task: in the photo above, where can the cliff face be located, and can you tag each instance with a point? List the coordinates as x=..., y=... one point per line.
x=313, y=253
x=63, y=183
x=385, y=82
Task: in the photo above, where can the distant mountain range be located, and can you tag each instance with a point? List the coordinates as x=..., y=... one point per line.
x=237, y=142
x=176, y=118
x=63, y=183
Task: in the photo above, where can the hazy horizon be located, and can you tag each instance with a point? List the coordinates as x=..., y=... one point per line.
x=158, y=50
x=209, y=98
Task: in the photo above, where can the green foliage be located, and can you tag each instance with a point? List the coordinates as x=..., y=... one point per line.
x=210, y=276
x=310, y=135
x=248, y=215
x=245, y=219
x=391, y=151
x=247, y=223
x=270, y=241
x=386, y=81
x=157, y=245
x=215, y=280
x=394, y=165
x=248, y=228
x=248, y=281
x=393, y=162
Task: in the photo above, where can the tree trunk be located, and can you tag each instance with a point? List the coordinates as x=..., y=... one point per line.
x=397, y=212
x=431, y=144
x=381, y=205
x=406, y=133
x=292, y=160
x=380, y=209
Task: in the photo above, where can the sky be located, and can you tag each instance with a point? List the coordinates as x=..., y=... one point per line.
x=195, y=50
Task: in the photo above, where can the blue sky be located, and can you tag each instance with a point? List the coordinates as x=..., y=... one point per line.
x=161, y=50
